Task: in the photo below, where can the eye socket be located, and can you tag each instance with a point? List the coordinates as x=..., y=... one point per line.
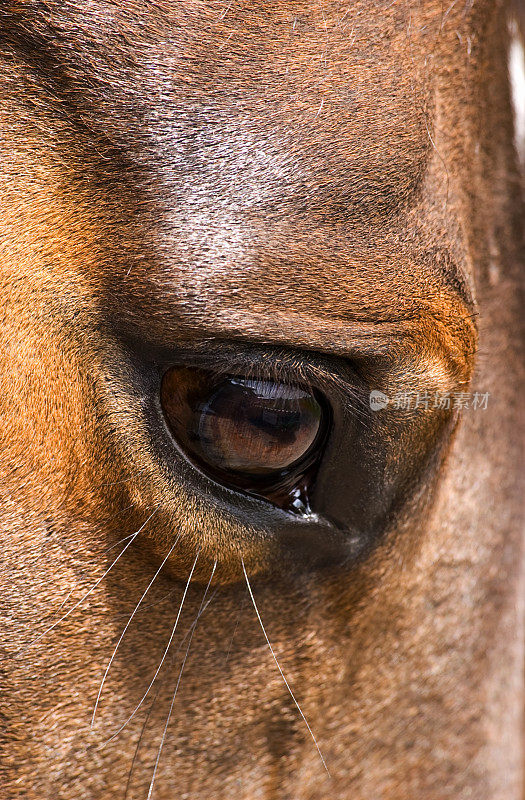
x=260, y=436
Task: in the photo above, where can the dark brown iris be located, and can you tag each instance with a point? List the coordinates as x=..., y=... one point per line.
x=257, y=435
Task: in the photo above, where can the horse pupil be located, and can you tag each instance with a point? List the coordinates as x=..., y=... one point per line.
x=275, y=421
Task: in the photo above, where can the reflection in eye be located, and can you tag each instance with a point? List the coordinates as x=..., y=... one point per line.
x=258, y=435
x=256, y=427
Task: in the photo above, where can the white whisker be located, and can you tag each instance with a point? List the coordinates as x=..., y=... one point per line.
x=125, y=480
x=128, y=623
x=90, y=591
x=62, y=604
x=191, y=629
x=280, y=670
x=173, y=701
x=235, y=630
x=165, y=653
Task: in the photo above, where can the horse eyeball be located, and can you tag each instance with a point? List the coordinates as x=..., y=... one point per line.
x=257, y=427
x=248, y=433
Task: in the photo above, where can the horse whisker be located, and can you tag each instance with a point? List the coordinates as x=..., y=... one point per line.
x=191, y=629
x=165, y=653
x=234, y=631
x=149, y=605
x=53, y=538
x=168, y=718
x=125, y=480
x=128, y=623
x=90, y=591
x=280, y=670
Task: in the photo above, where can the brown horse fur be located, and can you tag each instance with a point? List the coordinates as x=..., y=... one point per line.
x=329, y=182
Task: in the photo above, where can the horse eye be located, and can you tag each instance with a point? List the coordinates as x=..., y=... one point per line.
x=257, y=435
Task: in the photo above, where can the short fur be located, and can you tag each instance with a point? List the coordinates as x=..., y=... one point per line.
x=335, y=178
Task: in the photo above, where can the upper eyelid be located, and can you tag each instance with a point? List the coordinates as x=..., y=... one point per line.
x=279, y=365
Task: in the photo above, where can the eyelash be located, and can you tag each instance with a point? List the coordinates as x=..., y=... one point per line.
x=343, y=382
